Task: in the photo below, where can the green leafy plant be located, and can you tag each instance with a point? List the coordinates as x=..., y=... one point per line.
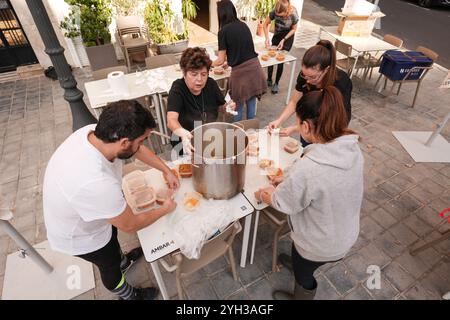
x=263, y=8
x=161, y=24
x=189, y=9
x=90, y=19
x=127, y=7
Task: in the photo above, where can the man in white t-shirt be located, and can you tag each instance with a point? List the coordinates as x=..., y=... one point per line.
x=82, y=193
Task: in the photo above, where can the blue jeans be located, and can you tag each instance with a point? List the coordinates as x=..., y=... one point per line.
x=251, y=109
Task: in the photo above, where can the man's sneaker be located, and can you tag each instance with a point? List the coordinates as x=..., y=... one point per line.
x=275, y=88
x=269, y=83
x=149, y=293
x=130, y=258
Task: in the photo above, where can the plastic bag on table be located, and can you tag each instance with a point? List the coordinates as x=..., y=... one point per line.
x=193, y=230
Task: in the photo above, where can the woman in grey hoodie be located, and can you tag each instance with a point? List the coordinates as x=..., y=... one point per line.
x=322, y=192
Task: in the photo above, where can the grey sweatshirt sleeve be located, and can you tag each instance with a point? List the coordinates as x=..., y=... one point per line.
x=292, y=196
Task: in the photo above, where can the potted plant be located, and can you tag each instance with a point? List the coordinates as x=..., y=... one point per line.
x=166, y=29
x=263, y=8
x=90, y=19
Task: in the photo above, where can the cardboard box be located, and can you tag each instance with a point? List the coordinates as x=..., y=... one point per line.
x=356, y=25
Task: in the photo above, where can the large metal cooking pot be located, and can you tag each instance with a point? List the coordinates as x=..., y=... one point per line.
x=219, y=159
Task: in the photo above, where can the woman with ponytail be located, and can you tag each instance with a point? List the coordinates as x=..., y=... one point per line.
x=321, y=193
x=318, y=71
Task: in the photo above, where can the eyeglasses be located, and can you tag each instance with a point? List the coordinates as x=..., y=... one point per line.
x=313, y=78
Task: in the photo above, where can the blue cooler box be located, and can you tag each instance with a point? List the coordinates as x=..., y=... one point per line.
x=396, y=64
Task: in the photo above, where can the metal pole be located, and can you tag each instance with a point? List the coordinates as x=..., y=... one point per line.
x=24, y=245
x=438, y=130
x=81, y=115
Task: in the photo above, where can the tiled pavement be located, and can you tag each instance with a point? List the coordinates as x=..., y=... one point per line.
x=402, y=198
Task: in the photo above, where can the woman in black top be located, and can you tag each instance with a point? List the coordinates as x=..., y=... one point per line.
x=236, y=48
x=286, y=19
x=318, y=71
x=194, y=99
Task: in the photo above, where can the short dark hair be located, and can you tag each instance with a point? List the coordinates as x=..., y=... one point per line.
x=226, y=12
x=123, y=119
x=194, y=59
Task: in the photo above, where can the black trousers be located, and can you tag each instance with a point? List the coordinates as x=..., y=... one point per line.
x=304, y=269
x=107, y=259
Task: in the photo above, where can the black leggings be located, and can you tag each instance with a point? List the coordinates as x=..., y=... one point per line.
x=304, y=269
x=279, y=72
x=107, y=259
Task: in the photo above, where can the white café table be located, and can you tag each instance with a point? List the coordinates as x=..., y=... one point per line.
x=289, y=59
x=271, y=147
x=157, y=239
x=361, y=45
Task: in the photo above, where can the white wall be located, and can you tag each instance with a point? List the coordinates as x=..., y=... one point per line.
x=54, y=8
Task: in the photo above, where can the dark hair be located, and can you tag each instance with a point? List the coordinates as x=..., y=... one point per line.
x=194, y=59
x=322, y=54
x=123, y=119
x=226, y=13
x=325, y=110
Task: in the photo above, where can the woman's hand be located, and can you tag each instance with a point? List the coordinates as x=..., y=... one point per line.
x=186, y=137
x=264, y=194
x=280, y=45
x=267, y=43
x=273, y=125
x=285, y=132
x=275, y=181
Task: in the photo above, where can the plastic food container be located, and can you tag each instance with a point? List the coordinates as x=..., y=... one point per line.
x=291, y=146
x=135, y=181
x=185, y=170
x=191, y=200
x=264, y=163
x=273, y=172
x=144, y=199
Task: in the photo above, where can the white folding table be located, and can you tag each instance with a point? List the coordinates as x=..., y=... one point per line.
x=157, y=239
x=361, y=45
x=271, y=147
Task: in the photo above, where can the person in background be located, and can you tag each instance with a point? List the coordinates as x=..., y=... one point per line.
x=195, y=97
x=286, y=19
x=318, y=71
x=236, y=48
x=82, y=193
x=321, y=192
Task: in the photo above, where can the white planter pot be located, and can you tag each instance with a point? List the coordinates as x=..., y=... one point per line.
x=80, y=51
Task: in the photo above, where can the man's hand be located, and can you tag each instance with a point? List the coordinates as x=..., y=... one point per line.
x=172, y=180
x=168, y=205
x=186, y=137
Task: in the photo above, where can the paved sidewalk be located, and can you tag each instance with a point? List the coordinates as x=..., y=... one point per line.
x=402, y=199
